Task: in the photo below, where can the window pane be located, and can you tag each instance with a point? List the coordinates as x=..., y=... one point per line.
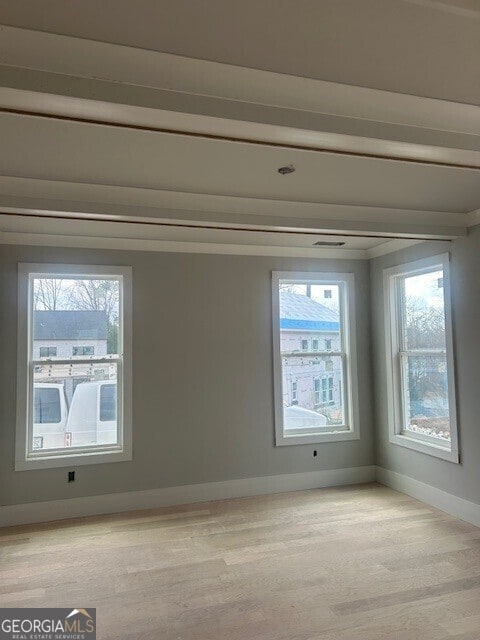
x=423, y=311
x=46, y=404
x=75, y=317
x=312, y=385
x=312, y=396
x=74, y=393
x=427, y=407
x=306, y=315
x=108, y=402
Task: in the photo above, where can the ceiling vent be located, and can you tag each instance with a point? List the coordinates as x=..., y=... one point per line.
x=329, y=243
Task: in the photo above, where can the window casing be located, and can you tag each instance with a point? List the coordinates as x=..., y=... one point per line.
x=326, y=397
x=59, y=399
x=420, y=359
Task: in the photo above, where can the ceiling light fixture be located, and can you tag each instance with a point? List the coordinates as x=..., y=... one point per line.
x=286, y=170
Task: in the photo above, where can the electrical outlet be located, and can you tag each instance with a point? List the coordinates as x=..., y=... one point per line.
x=71, y=476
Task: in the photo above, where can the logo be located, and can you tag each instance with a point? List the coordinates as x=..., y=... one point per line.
x=48, y=624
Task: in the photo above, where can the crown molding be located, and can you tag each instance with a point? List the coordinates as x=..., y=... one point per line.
x=25, y=195
x=166, y=246
x=473, y=218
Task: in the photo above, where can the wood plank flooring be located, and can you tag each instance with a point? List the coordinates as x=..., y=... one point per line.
x=350, y=563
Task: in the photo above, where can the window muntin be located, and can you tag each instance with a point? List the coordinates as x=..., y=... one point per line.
x=322, y=407
x=73, y=307
x=420, y=357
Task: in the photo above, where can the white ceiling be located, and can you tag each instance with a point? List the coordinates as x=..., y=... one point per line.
x=419, y=47
x=55, y=161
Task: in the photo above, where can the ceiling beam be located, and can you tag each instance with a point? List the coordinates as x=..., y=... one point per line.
x=326, y=144
x=52, y=76
x=168, y=217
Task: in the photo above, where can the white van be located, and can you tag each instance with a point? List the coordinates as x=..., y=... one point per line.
x=296, y=417
x=92, y=418
x=49, y=416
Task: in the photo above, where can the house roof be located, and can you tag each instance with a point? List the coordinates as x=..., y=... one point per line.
x=70, y=325
x=302, y=313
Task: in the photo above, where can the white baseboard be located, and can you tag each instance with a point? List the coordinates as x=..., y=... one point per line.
x=153, y=498
x=455, y=506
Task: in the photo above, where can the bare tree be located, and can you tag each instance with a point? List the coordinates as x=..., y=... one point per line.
x=96, y=295
x=425, y=329
x=48, y=293
x=425, y=325
x=291, y=288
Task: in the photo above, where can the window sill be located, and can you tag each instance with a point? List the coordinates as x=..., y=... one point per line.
x=73, y=460
x=316, y=438
x=430, y=449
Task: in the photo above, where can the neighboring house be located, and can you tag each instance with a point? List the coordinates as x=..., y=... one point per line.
x=66, y=335
x=309, y=381
x=63, y=334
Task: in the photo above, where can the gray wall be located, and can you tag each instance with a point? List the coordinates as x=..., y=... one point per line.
x=460, y=479
x=202, y=375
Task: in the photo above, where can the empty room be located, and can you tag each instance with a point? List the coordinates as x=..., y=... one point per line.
x=239, y=319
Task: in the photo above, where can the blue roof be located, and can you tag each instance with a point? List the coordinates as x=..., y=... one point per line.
x=304, y=314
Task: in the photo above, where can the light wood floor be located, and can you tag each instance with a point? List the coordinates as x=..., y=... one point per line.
x=352, y=563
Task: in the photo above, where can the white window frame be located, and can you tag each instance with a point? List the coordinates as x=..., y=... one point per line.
x=25, y=459
x=394, y=354
x=347, y=352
